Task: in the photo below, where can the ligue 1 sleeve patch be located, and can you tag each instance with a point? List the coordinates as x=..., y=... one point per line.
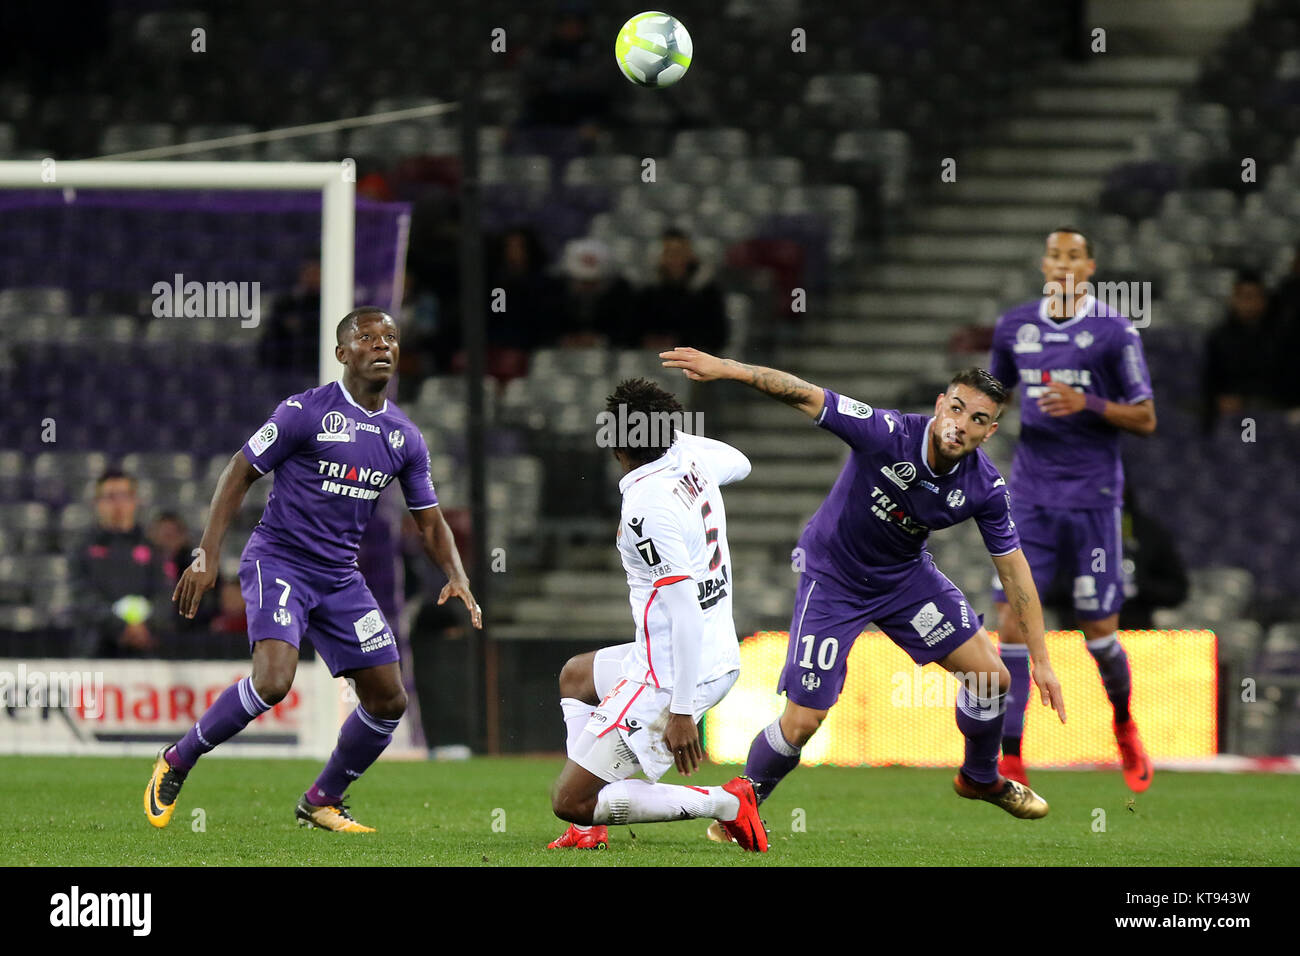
x=264, y=438
x=853, y=408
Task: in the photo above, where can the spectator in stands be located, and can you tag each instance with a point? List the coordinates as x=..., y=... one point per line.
x=292, y=331
x=596, y=301
x=683, y=307
x=1242, y=362
x=171, y=537
x=232, y=617
x=567, y=79
x=120, y=591
x=517, y=266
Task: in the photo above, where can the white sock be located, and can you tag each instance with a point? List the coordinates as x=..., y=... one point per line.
x=576, y=715
x=640, y=801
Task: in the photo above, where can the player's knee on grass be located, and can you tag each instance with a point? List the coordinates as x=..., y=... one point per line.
x=570, y=805
x=798, y=724
x=577, y=679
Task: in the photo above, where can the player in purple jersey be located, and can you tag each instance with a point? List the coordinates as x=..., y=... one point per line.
x=864, y=559
x=1085, y=380
x=334, y=449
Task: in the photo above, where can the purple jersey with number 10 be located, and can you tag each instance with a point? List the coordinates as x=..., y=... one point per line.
x=1072, y=461
x=869, y=534
x=332, y=460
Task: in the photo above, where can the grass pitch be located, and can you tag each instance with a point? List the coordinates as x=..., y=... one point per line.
x=496, y=812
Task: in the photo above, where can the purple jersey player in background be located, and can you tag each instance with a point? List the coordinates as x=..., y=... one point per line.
x=334, y=449
x=1085, y=380
x=864, y=560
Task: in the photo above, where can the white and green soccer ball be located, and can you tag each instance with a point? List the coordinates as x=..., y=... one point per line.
x=653, y=49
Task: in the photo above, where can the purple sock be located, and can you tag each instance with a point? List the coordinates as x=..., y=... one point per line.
x=362, y=739
x=1016, y=659
x=980, y=719
x=1116, y=677
x=229, y=714
x=771, y=757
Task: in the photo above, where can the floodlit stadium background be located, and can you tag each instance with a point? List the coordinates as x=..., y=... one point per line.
x=892, y=712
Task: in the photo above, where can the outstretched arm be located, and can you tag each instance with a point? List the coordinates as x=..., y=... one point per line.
x=703, y=367
x=440, y=546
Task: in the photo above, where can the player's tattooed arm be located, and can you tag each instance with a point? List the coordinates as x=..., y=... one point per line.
x=228, y=498
x=440, y=546
x=1022, y=596
x=784, y=387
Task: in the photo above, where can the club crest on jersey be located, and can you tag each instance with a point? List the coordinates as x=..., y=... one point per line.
x=636, y=524
x=956, y=498
x=1083, y=339
x=334, y=427
x=282, y=617
x=810, y=681
x=396, y=439
x=901, y=474
x=1027, y=339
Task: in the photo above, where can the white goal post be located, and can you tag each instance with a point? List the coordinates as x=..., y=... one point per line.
x=335, y=181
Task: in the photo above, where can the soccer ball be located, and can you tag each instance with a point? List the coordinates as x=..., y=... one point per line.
x=653, y=49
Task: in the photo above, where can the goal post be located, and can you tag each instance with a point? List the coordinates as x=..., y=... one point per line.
x=334, y=181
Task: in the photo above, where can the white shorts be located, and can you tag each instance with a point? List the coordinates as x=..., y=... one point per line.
x=626, y=731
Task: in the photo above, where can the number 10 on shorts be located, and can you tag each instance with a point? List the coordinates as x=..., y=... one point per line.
x=827, y=651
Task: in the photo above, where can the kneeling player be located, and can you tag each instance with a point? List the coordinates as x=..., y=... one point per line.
x=672, y=538
x=865, y=560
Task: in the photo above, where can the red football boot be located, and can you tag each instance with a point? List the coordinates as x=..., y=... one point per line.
x=1013, y=768
x=1133, y=756
x=595, y=838
x=747, y=829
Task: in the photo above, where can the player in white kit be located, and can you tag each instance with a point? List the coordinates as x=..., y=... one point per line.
x=635, y=706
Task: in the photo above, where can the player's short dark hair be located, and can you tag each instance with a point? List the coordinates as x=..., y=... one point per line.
x=673, y=232
x=639, y=395
x=113, y=474
x=984, y=381
x=349, y=322
x=1087, y=243
x=1248, y=276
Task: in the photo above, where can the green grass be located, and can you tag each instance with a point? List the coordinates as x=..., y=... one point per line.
x=88, y=811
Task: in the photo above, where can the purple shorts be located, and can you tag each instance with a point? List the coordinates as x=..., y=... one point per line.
x=927, y=616
x=1084, y=543
x=333, y=607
